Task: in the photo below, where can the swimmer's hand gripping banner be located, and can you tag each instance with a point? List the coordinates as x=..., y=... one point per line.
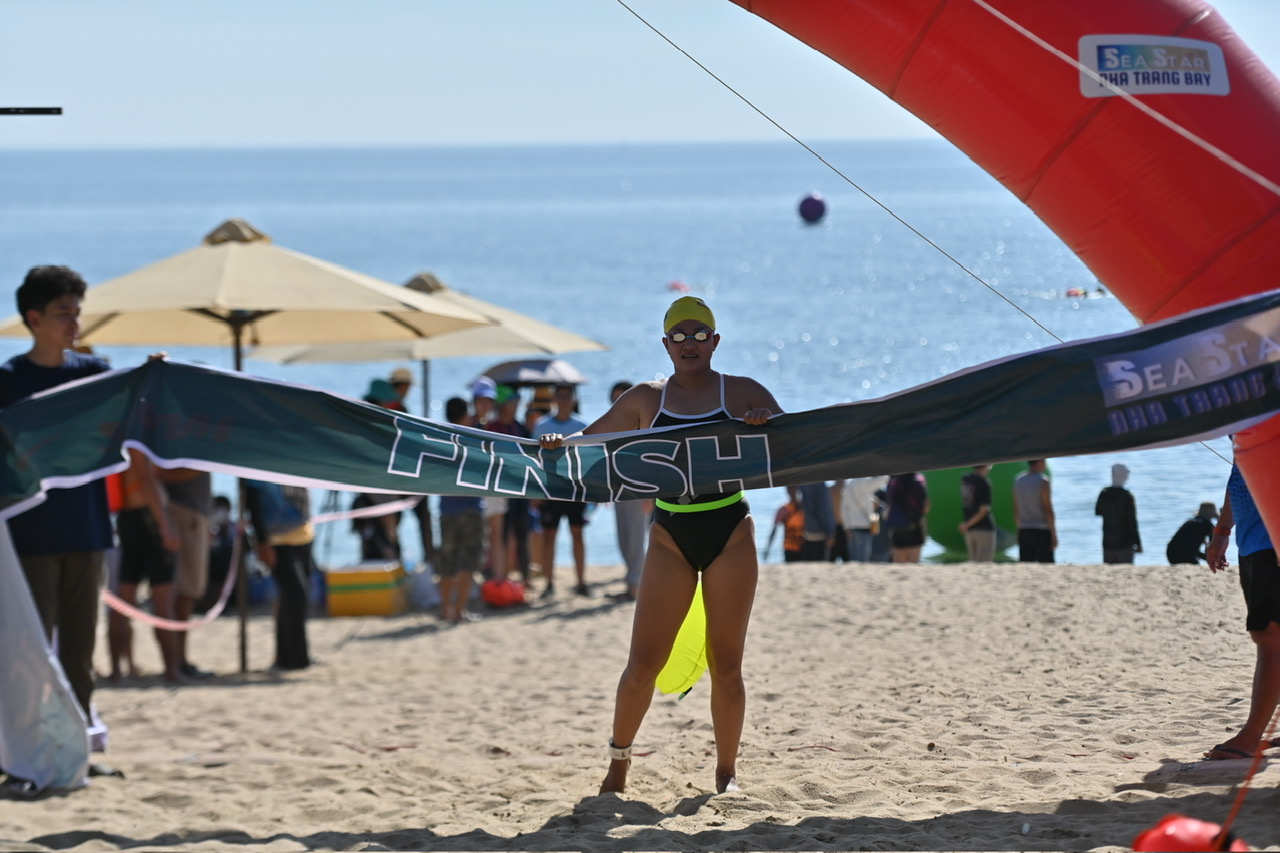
x=1197, y=376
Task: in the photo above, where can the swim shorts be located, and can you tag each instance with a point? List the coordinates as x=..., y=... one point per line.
x=1260, y=581
x=143, y=556
x=553, y=511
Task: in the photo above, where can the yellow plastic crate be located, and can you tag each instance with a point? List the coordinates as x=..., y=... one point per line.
x=367, y=589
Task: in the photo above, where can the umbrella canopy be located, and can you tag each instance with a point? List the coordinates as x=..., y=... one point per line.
x=511, y=333
x=535, y=371
x=237, y=283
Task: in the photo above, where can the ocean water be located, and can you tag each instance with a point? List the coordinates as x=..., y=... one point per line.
x=590, y=238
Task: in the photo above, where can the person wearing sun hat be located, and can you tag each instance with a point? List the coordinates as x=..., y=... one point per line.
x=707, y=536
x=1189, y=542
x=401, y=381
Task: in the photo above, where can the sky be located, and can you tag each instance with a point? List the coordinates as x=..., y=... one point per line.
x=273, y=73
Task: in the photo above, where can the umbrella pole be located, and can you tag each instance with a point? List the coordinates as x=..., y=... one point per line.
x=242, y=579
x=426, y=388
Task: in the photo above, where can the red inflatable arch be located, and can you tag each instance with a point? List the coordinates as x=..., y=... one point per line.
x=1169, y=218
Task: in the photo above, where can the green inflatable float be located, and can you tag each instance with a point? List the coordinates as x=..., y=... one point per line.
x=945, y=513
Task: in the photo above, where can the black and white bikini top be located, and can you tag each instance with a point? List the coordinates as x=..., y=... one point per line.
x=697, y=503
x=666, y=418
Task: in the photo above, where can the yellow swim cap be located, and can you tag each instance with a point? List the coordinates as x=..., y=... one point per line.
x=688, y=308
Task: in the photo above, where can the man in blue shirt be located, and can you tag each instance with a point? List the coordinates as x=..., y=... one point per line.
x=563, y=422
x=60, y=543
x=1260, y=582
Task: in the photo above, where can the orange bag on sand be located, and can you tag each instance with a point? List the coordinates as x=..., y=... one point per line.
x=502, y=593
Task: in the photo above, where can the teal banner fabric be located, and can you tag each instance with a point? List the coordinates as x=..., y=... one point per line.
x=1197, y=376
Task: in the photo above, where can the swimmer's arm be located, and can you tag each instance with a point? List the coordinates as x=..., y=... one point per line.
x=760, y=403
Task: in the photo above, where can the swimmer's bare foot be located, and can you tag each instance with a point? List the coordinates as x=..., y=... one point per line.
x=615, y=782
x=726, y=782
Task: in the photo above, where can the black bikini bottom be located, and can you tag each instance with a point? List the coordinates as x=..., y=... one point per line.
x=702, y=535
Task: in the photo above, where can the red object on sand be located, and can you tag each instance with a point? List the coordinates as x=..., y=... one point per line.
x=502, y=593
x=1178, y=832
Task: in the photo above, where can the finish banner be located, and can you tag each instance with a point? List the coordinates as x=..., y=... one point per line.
x=1197, y=376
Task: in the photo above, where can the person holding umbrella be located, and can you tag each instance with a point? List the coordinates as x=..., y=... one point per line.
x=710, y=535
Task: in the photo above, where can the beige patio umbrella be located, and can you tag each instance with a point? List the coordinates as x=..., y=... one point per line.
x=239, y=288
x=511, y=333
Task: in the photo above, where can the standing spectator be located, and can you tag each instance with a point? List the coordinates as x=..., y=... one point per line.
x=379, y=534
x=401, y=381
x=791, y=517
x=190, y=494
x=1120, y=540
x=632, y=517
x=283, y=535
x=508, y=518
x=819, y=522
x=222, y=537
x=859, y=511
x=484, y=396
x=60, y=542
x=908, y=502
x=461, y=539
x=1188, y=544
x=148, y=541
x=881, y=544
x=1033, y=514
x=563, y=422
x=1260, y=582
x=978, y=527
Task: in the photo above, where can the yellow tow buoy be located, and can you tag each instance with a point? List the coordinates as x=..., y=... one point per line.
x=689, y=653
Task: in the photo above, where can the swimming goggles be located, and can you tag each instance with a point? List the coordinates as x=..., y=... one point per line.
x=701, y=336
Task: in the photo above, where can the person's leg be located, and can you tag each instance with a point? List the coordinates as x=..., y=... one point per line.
x=291, y=577
x=162, y=604
x=1026, y=546
x=631, y=522
x=120, y=632
x=813, y=551
x=984, y=547
x=729, y=588
x=1260, y=583
x=79, y=591
x=1262, y=701
x=860, y=542
x=422, y=512
x=579, y=557
x=1044, y=546
x=667, y=585
x=192, y=577
x=550, y=523
x=120, y=645
x=43, y=575
x=447, y=562
x=495, y=521
x=497, y=547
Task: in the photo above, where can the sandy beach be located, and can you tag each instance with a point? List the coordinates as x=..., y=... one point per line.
x=962, y=707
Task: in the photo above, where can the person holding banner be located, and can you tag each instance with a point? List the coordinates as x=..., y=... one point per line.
x=711, y=535
x=1260, y=583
